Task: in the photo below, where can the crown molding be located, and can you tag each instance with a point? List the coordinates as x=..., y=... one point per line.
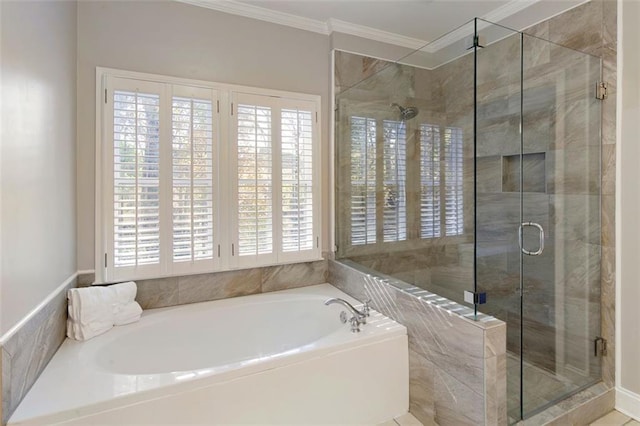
x=262, y=14
x=336, y=25
x=506, y=10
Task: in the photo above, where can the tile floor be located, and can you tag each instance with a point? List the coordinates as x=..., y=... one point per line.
x=615, y=418
x=406, y=420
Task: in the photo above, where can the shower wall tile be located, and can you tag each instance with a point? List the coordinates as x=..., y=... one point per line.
x=294, y=275
x=608, y=169
x=608, y=221
x=489, y=171
x=580, y=27
x=26, y=353
x=566, y=170
x=608, y=312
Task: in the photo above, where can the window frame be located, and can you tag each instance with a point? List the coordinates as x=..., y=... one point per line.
x=226, y=256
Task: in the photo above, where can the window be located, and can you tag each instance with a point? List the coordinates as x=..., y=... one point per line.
x=363, y=181
x=379, y=179
x=453, y=181
x=198, y=177
x=429, y=181
x=394, y=181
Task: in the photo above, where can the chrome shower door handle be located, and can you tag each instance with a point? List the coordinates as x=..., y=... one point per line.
x=541, y=234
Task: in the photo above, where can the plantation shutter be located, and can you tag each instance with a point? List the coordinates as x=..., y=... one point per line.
x=277, y=205
x=133, y=127
x=297, y=180
x=429, y=181
x=453, y=157
x=254, y=156
x=363, y=181
x=395, y=179
x=192, y=163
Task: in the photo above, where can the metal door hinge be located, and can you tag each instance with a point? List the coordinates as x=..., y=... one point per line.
x=601, y=90
x=105, y=96
x=105, y=260
x=600, y=346
x=475, y=298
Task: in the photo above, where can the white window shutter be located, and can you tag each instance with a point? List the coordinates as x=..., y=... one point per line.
x=297, y=180
x=254, y=152
x=429, y=181
x=193, y=131
x=363, y=180
x=132, y=207
x=394, y=181
x=454, y=202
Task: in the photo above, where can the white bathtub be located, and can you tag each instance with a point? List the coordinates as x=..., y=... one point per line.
x=275, y=358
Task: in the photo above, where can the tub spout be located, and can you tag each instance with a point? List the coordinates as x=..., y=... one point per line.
x=358, y=318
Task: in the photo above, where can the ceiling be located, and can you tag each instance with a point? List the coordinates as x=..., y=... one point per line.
x=407, y=23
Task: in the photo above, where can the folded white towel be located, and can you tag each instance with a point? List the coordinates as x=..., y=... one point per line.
x=91, y=304
x=124, y=292
x=126, y=314
x=95, y=310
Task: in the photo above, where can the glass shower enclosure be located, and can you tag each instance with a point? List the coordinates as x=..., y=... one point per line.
x=471, y=168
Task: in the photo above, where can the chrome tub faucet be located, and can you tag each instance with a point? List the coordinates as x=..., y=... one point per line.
x=358, y=317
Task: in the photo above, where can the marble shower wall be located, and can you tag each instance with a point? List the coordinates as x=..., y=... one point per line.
x=27, y=352
x=457, y=366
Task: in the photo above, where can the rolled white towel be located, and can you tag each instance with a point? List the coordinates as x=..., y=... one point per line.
x=91, y=310
x=91, y=304
x=95, y=310
x=126, y=314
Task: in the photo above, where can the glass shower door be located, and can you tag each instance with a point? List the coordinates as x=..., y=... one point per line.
x=537, y=190
x=560, y=229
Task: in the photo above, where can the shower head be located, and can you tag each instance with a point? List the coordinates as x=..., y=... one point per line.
x=406, y=113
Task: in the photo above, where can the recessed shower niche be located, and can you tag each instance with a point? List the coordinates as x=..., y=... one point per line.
x=533, y=166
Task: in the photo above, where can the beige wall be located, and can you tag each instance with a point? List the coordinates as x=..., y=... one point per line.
x=629, y=246
x=181, y=40
x=38, y=175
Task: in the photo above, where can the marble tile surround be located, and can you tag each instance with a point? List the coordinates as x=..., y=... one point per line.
x=171, y=291
x=162, y=292
x=29, y=350
x=457, y=370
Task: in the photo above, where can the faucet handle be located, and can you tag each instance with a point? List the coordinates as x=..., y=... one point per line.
x=366, y=307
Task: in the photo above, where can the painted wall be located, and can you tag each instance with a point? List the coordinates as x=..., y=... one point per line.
x=629, y=206
x=181, y=40
x=38, y=157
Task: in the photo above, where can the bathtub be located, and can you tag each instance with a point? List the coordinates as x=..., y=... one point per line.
x=274, y=358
